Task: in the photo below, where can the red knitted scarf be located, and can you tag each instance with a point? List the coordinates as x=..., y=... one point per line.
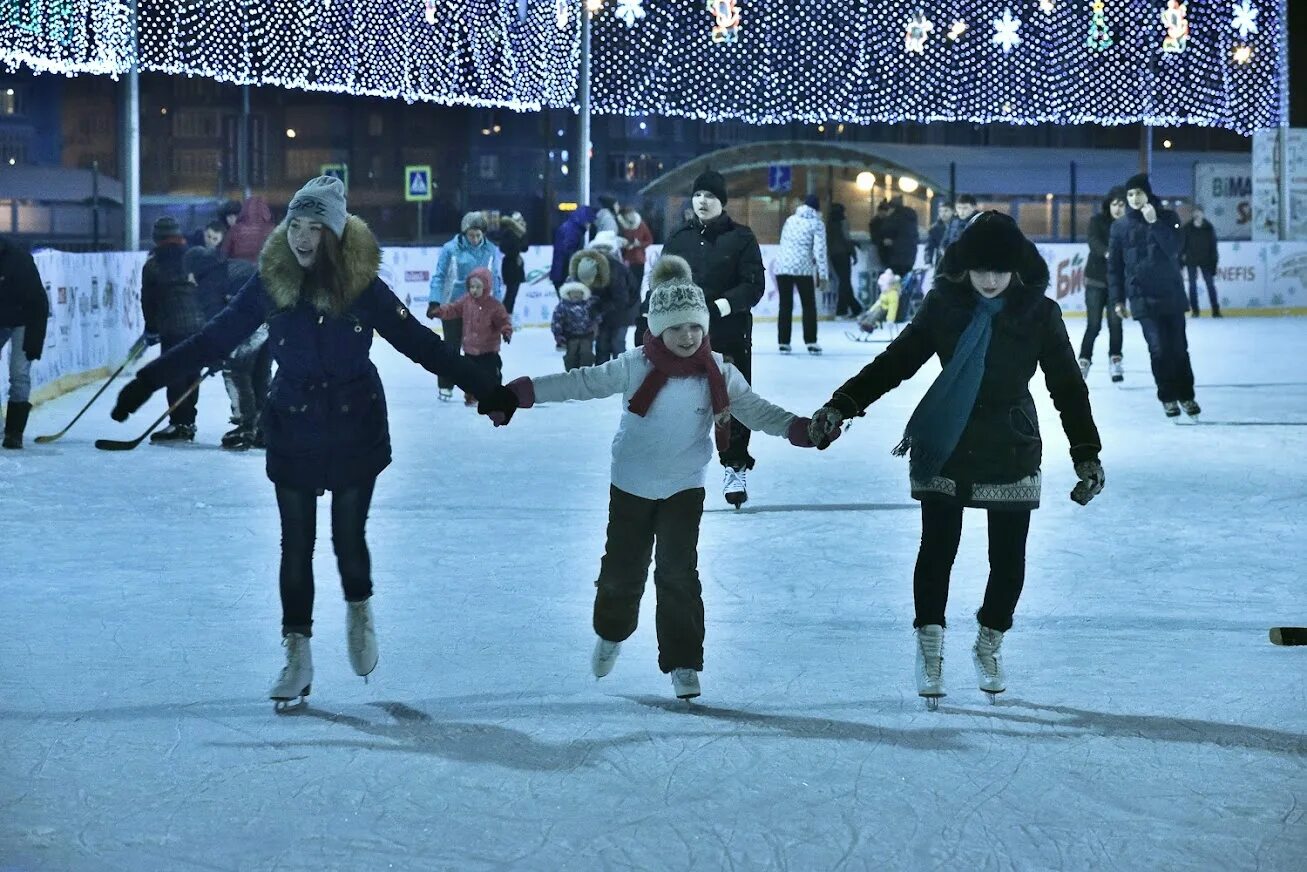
x=667, y=365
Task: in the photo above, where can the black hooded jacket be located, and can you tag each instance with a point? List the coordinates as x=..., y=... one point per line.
x=23, y=302
x=1001, y=442
x=1100, y=229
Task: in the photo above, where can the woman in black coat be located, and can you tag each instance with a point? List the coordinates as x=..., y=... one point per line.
x=974, y=441
x=325, y=418
x=1096, y=302
x=726, y=262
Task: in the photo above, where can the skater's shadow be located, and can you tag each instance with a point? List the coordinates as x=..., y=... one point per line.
x=1154, y=728
x=415, y=732
x=803, y=727
x=819, y=507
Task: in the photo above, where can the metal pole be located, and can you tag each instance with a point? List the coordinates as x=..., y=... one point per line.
x=1073, y=201
x=130, y=153
x=1145, y=149
x=952, y=181
x=1283, y=217
x=243, y=143
x=95, y=205
x=583, y=82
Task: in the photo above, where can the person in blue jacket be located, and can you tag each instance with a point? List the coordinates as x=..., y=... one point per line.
x=325, y=418
x=1143, y=269
x=467, y=251
x=569, y=238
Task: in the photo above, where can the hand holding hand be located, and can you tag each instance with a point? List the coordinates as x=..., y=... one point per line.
x=432, y=309
x=130, y=398
x=824, y=427
x=507, y=399
x=1091, y=482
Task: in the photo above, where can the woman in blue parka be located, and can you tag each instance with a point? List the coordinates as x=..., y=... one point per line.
x=325, y=419
x=467, y=251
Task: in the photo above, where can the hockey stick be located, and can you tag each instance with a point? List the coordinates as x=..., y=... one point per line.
x=1289, y=635
x=137, y=349
x=128, y=445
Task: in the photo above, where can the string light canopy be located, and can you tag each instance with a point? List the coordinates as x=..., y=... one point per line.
x=1162, y=62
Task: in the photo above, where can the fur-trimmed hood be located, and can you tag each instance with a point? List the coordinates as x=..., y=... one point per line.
x=629, y=220
x=573, y=286
x=283, y=277
x=603, y=271
x=515, y=225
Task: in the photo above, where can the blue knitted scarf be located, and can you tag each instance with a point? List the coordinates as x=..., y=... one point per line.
x=936, y=426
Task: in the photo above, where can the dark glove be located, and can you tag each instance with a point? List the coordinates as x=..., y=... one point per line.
x=151, y=339
x=824, y=427
x=800, y=434
x=507, y=399
x=130, y=398
x=1091, y=482
x=33, y=351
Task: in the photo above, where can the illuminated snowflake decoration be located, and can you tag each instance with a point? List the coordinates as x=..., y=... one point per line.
x=959, y=27
x=1047, y=6
x=594, y=7
x=914, y=37
x=1005, y=31
x=1243, y=54
x=1245, y=18
x=630, y=11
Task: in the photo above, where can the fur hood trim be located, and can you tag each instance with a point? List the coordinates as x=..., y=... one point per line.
x=572, y=286
x=629, y=223
x=602, y=270
x=283, y=277
x=516, y=225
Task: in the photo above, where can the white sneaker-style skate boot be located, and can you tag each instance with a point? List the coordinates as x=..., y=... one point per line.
x=685, y=683
x=1116, y=368
x=989, y=662
x=604, y=657
x=361, y=636
x=930, y=664
x=297, y=675
x=735, y=487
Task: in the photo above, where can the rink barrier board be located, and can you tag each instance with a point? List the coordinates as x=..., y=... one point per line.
x=95, y=298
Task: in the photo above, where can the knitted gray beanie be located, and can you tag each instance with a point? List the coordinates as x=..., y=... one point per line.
x=321, y=199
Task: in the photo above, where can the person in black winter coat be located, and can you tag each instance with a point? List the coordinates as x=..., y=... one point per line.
x=935, y=238
x=726, y=263
x=1198, y=253
x=171, y=307
x=24, y=310
x=974, y=439
x=247, y=371
x=896, y=233
x=1100, y=227
x=511, y=240
x=1143, y=270
x=842, y=254
x=600, y=268
x=319, y=289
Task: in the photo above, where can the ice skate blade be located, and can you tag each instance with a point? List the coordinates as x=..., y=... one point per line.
x=291, y=703
x=992, y=694
x=932, y=702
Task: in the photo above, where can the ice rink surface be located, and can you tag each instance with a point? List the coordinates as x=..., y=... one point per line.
x=1148, y=723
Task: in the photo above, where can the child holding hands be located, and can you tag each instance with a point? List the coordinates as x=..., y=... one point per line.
x=676, y=391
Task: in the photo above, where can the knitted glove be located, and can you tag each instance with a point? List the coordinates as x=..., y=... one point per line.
x=130, y=398
x=1091, y=482
x=824, y=426
x=800, y=433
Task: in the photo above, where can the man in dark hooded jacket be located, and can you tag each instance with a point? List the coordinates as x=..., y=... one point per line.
x=1198, y=253
x=1100, y=229
x=172, y=313
x=1143, y=270
x=24, y=309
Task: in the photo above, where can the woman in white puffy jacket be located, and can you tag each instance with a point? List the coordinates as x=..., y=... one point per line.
x=802, y=257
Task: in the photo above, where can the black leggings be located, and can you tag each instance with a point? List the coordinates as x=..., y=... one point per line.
x=941, y=531
x=299, y=525
x=786, y=285
x=1096, y=303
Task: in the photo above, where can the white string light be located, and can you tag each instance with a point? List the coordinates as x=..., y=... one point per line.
x=761, y=61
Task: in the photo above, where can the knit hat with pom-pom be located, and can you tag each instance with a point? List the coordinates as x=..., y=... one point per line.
x=675, y=298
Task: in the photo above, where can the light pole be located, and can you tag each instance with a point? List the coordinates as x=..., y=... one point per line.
x=583, y=148
x=130, y=155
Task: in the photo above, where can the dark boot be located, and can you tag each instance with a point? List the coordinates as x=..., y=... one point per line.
x=15, y=424
x=175, y=433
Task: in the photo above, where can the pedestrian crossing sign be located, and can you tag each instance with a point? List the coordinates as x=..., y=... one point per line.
x=336, y=170
x=417, y=184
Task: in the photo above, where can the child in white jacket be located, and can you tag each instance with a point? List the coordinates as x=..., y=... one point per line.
x=675, y=392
